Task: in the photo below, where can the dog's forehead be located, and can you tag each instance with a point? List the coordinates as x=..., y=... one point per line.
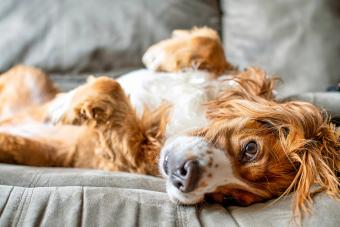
x=223, y=133
x=184, y=142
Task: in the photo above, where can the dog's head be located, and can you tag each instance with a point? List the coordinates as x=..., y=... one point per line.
x=199, y=48
x=254, y=149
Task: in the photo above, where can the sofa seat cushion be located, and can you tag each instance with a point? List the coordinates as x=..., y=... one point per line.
x=32, y=196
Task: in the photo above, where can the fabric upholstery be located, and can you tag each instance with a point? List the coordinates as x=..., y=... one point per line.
x=68, y=81
x=93, y=36
x=73, y=197
x=71, y=39
x=297, y=40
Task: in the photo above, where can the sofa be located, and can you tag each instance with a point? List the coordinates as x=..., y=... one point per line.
x=71, y=39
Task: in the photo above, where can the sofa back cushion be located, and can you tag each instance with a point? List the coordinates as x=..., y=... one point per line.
x=93, y=36
x=297, y=40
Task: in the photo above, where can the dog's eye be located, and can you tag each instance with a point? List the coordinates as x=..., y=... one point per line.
x=249, y=151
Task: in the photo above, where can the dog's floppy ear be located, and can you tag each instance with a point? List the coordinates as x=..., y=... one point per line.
x=313, y=145
x=256, y=82
x=308, y=138
x=318, y=163
x=251, y=84
x=317, y=157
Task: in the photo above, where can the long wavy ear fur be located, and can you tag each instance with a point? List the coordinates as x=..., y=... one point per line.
x=257, y=83
x=319, y=163
x=317, y=157
x=310, y=141
x=251, y=84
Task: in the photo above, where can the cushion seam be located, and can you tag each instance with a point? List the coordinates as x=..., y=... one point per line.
x=234, y=219
x=21, y=201
x=23, y=210
x=81, y=216
x=5, y=204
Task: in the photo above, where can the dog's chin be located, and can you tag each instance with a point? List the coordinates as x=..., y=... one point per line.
x=179, y=197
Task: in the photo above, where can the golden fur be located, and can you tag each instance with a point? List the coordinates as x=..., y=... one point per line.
x=299, y=146
x=200, y=48
x=101, y=130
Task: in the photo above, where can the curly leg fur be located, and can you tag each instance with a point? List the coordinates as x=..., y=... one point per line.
x=96, y=127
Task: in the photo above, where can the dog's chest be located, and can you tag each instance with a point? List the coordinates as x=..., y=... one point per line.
x=186, y=92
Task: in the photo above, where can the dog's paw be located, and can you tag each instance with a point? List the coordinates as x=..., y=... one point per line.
x=153, y=59
x=92, y=111
x=93, y=103
x=199, y=48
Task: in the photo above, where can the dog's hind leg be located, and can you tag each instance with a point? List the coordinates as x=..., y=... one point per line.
x=132, y=142
x=20, y=150
x=42, y=145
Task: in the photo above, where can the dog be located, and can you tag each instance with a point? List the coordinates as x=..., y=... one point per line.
x=212, y=131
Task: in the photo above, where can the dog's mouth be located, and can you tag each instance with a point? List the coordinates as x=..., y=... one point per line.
x=226, y=201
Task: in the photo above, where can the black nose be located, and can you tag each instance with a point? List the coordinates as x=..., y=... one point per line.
x=185, y=175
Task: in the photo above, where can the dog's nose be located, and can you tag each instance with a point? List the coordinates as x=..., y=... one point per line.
x=185, y=175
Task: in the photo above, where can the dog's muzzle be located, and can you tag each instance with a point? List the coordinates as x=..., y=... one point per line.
x=184, y=173
x=193, y=167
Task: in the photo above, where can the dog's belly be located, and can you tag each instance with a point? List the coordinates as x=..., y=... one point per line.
x=185, y=91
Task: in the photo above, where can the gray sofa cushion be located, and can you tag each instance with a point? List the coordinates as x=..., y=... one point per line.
x=297, y=40
x=93, y=36
x=68, y=81
x=330, y=101
x=72, y=197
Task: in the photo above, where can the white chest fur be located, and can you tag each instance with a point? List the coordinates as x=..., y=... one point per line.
x=185, y=91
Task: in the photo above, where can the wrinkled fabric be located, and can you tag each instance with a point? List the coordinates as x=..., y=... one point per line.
x=93, y=36
x=296, y=40
x=32, y=196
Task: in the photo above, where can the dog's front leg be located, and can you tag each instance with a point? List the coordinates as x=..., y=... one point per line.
x=95, y=103
x=101, y=104
x=129, y=143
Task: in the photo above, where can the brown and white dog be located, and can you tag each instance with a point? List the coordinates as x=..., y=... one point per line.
x=208, y=129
